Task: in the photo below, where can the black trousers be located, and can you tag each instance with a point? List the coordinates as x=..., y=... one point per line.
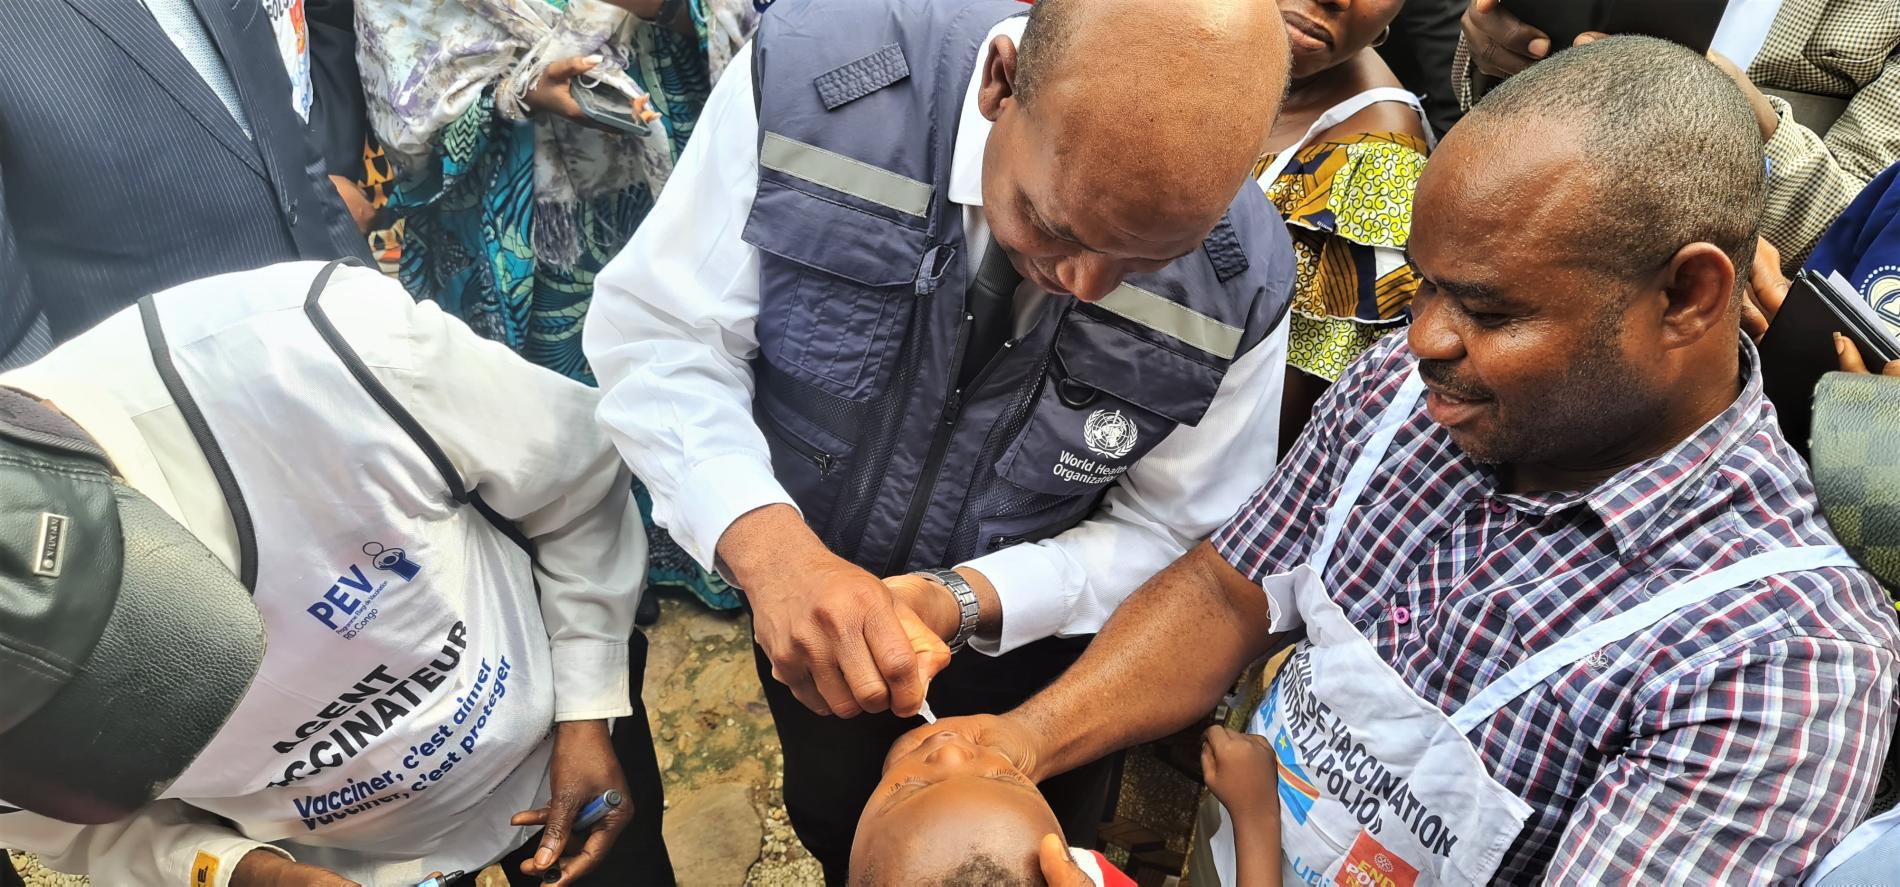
x=833, y=764
x=639, y=858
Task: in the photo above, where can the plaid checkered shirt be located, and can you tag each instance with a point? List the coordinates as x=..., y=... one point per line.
x=1734, y=742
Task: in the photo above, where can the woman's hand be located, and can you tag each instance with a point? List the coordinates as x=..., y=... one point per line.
x=1851, y=361
x=551, y=94
x=356, y=203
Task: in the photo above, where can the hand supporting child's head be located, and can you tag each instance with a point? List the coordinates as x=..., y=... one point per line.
x=952, y=812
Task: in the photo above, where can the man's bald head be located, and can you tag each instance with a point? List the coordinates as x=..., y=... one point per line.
x=1125, y=128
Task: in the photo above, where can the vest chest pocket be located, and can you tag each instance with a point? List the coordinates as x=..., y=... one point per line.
x=1109, y=397
x=807, y=459
x=836, y=287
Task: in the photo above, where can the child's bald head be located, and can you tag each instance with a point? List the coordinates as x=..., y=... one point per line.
x=952, y=812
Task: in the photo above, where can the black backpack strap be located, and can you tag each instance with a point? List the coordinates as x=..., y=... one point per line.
x=451, y=478
x=207, y=442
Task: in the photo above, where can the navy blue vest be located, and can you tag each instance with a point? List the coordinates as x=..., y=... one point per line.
x=862, y=324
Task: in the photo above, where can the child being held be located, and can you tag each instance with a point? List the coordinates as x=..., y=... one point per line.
x=1243, y=773
x=951, y=812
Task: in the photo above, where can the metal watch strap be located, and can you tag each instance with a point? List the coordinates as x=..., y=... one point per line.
x=966, y=604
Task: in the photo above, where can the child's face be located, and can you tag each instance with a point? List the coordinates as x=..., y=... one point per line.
x=947, y=799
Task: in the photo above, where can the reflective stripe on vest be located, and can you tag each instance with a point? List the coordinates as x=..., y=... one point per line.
x=842, y=174
x=1173, y=319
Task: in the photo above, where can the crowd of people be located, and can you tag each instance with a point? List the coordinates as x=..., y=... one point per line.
x=1376, y=372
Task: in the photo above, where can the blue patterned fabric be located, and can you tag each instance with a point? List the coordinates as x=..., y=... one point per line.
x=467, y=245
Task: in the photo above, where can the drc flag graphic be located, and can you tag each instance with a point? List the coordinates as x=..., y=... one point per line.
x=1297, y=792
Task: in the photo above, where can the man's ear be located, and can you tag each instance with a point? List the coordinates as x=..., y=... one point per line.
x=999, y=78
x=1700, y=286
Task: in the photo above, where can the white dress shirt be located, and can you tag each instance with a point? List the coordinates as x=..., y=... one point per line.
x=523, y=437
x=672, y=329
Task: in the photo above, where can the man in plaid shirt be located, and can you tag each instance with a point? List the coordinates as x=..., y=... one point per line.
x=1592, y=437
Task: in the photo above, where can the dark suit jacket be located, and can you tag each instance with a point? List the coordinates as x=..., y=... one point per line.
x=121, y=173
x=339, y=118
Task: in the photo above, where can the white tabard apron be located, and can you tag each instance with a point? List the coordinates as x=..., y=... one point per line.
x=1868, y=855
x=1377, y=785
x=1338, y=114
x=404, y=706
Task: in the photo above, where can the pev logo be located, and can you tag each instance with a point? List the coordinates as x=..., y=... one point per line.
x=347, y=607
x=395, y=560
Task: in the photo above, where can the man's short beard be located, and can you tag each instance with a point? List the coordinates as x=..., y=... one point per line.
x=1585, y=413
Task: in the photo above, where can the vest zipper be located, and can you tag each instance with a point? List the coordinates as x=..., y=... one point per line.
x=940, y=444
x=999, y=542
x=819, y=459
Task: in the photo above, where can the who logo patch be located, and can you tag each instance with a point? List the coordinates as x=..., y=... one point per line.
x=1109, y=433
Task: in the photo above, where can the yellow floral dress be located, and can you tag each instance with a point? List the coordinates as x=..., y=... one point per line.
x=1348, y=206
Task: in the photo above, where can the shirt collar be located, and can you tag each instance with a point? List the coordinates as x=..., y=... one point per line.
x=973, y=129
x=1632, y=502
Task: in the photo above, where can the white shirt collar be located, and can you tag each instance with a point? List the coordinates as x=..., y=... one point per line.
x=973, y=129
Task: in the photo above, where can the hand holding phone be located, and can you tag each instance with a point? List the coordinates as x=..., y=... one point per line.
x=551, y=93
x=1691, y=23
x=604, y=107
x=1800, y=346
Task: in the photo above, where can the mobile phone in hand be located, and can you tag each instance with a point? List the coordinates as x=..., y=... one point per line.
x=1691, y=23
x=606, y=108
x=1798, y=348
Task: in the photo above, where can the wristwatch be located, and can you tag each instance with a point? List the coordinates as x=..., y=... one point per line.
x=966, y=603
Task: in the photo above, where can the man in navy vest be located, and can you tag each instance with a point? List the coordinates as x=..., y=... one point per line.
x=957, y=287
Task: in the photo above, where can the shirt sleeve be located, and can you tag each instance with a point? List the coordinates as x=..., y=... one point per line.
x=1800, y=723
x=1815, y=178
x=1273, y=531
x=167, y=842
x=672, y=328
x=523, y=439
x=1169, y=500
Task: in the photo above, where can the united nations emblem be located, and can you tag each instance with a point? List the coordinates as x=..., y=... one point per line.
x=1109, y=433
x=1883, y=293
